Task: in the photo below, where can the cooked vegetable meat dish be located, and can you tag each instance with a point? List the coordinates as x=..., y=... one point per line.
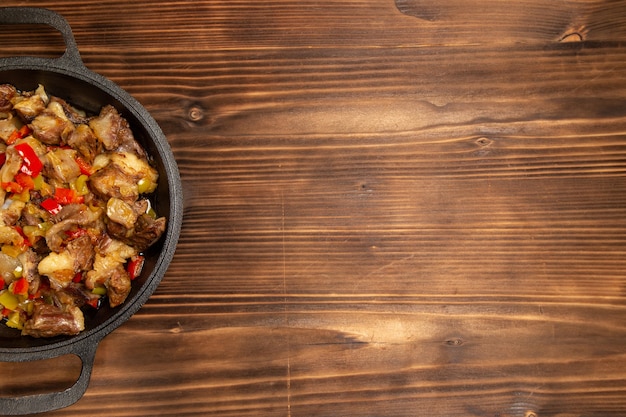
x=76, y=215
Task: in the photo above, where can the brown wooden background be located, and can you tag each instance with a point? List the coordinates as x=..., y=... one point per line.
x=392, y=209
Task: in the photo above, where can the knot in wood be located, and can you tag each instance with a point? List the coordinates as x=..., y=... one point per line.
x=195, y=114
x=574, y=33
x=483, y=141
x=454, y=341
x=571, y=37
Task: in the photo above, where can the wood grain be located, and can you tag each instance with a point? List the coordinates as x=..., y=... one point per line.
x=391, y=209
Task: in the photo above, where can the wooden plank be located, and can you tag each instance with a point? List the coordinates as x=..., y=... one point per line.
x=289, y=24
x=387, y=357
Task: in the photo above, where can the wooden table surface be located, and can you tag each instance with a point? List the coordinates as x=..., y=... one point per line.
x=409, y=208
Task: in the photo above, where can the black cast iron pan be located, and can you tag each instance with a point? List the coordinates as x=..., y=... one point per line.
x=68, y=78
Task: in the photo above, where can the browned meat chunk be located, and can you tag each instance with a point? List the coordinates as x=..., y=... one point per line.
x=7, y=92
x=30, y=260
x=60, y=165
x=118, y=286
x=85, y=142
x=110, y=128
x=113, y=131
x=145, y=232
x=30, y=107
x=68, y=211
x=8, y=125
x=70, y=112
x=33, y=215
x=49, y=320
x=82, y=251
x=113, y=181
x=12, y=213
x=11, y=166
x=123, y=213
x=79, y=215
x=50, y=128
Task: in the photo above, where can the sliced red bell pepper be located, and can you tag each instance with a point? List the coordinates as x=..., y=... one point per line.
x=78, y=277
x=94, y=302
x=20, y=287
x=18, y=134
x=12, y=187
x=25, y=181
x=3, y=158
x=19, y=230
x=75, y=233
x=2, y=283
x=65, y=196
x=51, y=205
x=85, y=167
x=31, y=165
x=134, y=266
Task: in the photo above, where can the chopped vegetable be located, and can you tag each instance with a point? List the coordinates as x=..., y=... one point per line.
x=11, y=250
x=15, y=320
x=99, y=291
x=134, y=266
x=94, y=302
x=18, y=134
x=9, y=300
x=80, y=185
x=12, y=187
x=65, y=196
x=32, y=165
x=84, y=166
x=20, y=287
x=25, y=181
x=51, y=205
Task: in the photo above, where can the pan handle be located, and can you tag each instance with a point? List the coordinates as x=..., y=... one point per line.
x=39, y=403
x=39, y=15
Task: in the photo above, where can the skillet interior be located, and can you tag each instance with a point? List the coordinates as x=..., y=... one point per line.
x=88, y=96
